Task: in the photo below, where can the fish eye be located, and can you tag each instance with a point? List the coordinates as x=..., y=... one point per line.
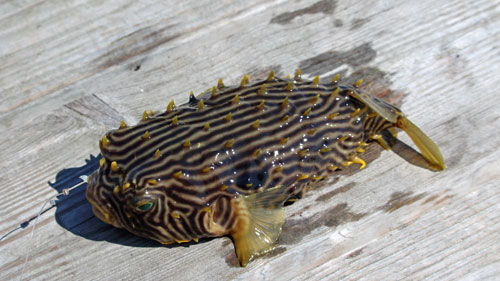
x=143, y=204
x=146, y=206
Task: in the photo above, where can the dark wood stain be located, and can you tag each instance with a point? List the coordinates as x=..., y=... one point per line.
x=358, y=23
x=445, y=198
x=332, y=59
x=342, y=189
x=295, y=230
x=301, y=211
x=324, y=7
x=401, y=199
x=137, y=43
x=430, y=199
x=442, y=196
x=377, y=83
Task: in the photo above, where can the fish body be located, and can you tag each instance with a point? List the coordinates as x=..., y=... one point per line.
x=224, y=163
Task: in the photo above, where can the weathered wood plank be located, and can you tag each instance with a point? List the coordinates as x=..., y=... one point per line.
x=72, y=70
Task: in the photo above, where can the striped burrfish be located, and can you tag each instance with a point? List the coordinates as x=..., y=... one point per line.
x=227, y=161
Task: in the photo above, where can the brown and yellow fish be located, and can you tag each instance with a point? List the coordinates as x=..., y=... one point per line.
x=225, y=163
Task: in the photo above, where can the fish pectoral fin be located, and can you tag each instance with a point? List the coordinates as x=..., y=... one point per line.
x=427, y=147
x=259, y=218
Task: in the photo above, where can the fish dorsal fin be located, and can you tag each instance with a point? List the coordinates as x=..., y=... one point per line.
x=259, y=218
x=387, y=111
x=205, y=95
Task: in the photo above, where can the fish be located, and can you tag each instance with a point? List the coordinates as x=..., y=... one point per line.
x=226, y=162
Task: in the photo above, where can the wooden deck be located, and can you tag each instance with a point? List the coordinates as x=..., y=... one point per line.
x=71, y=70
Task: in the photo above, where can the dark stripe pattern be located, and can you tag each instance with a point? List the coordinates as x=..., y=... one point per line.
x=172, y=177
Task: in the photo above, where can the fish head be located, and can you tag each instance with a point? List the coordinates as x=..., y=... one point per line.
x=100, y=197
x=140, y=210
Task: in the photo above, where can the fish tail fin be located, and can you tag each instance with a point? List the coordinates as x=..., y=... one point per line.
x=427, y=147
x=259, y=218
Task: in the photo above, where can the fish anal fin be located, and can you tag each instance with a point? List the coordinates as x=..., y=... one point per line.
x=388, y=138
x=382, y=140
x=259, y=218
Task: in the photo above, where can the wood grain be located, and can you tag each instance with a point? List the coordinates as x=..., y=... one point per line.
x=71, y=70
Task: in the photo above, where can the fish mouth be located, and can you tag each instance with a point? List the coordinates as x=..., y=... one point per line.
x=105, y=216
x=100, y=210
